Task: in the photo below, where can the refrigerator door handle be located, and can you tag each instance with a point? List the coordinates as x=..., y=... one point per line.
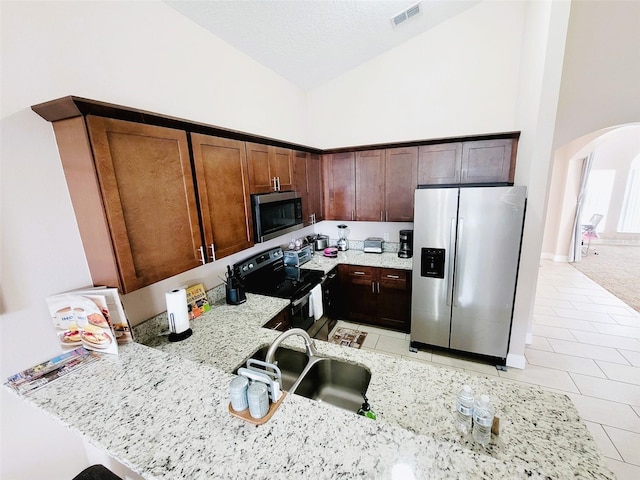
x=452, y=239
x=455, y=283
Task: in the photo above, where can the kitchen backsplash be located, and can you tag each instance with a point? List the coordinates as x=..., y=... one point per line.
x=159, y=324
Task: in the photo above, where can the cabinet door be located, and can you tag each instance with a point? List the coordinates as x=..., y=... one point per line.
x=149, y=198
x=223, y=192
x=281, y=322
x=401, y=179
x=370, y=185
x=488, y=161
x=361, y=297
x=394, y=299
x=339, y=187
x=439, y=164
x=260, y=177
x=314, y=186
x=280, y=167
x=300, y=184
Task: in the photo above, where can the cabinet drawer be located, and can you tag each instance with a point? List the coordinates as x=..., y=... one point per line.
x=358, y=271
x=391, y=277
x=281, y=322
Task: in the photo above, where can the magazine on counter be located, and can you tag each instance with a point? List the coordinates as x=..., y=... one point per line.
x=92, y=318
x=197, y=301
x=44, y=373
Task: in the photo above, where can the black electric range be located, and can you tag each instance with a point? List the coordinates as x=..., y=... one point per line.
x=266, y=274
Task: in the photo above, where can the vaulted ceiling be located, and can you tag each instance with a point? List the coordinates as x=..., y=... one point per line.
x=310, y=42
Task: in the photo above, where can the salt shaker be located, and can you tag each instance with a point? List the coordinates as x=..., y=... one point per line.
x=258, y=398
x=238, y=393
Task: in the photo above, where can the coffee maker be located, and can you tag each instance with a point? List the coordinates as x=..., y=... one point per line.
x=406, y=244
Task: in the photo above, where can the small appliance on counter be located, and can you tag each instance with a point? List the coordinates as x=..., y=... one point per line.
x=295, y=258
x=406, y=244
x=373, y=245
x=343, y=242
x=321, y=242
x=234, y=289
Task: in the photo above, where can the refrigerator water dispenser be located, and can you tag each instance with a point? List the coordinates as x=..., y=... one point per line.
x=432, y=262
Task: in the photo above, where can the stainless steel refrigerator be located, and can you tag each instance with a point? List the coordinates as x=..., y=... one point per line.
x=466, y=250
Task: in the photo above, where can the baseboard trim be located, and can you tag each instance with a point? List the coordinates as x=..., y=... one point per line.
x=529, y=338
x=516, y=361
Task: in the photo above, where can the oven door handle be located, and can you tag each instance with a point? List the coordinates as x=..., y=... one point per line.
x=297, y=302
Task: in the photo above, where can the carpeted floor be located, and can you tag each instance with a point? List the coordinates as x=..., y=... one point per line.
x=616, y=268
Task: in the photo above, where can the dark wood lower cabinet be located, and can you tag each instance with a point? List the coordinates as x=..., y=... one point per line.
x=377, y=296
x=281, y=322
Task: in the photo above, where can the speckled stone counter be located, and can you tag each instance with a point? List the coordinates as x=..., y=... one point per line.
x=358, y=257
x=161, y=410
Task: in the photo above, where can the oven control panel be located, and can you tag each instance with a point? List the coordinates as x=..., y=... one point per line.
x=258, y=261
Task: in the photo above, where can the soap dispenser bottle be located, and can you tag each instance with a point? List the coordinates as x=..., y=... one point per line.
x=365, y=409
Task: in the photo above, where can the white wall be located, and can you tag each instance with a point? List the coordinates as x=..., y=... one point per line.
x=138, y=54
x=459, y=78
x=600, y=86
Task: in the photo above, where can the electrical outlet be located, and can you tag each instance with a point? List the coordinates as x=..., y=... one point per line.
x=386, y=237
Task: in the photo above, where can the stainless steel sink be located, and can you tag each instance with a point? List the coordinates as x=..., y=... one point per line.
x=335, y=382
x=319, y=378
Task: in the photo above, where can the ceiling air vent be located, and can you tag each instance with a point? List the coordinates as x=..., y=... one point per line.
x=405, y=15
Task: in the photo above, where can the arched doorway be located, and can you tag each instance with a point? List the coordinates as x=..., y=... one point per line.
x=613, y=151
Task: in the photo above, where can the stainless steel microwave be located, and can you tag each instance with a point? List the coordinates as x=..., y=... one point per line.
x=275, y=214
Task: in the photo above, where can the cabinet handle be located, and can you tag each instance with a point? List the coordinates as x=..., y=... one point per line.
x=275, y=184
x=213, y=252
x=276, y=327
x=386, y=216
x=358, y=273
x=393, y=276
x=278, y=180
x=353, y=214
x=201, y=250
x=381, y=217
x=373, y=287
x=378, y=287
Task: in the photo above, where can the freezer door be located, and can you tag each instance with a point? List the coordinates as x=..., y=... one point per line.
x=433, y=241
x=488, y=249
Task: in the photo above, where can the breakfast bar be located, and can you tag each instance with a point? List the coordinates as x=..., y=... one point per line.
x=161, y=409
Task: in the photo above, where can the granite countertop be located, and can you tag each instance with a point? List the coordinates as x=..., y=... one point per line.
x=162, y=410
x=358, y=257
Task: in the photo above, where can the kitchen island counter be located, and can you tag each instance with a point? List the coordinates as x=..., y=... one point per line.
x=163, y=412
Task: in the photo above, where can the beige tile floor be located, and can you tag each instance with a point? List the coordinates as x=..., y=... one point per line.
x=586, y=344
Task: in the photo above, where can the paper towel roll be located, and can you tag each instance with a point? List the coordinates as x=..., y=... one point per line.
x=177, y=310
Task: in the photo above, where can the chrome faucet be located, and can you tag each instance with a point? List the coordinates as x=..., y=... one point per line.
x=309, y=344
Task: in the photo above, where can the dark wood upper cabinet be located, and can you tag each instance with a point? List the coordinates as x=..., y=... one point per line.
x=370, y=186
x=439, y=164
x=308, y=183
x=472, y=162
x=270, y=168
x=488, y=161
x=314, y=186
x=339, y=170
x=383, y=187
x=146, y=186
x=223, y=193
x=401, y=179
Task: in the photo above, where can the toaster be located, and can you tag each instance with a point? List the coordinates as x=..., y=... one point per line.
x=373, y=245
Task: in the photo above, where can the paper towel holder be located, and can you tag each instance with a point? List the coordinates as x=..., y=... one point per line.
x=176, y=337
